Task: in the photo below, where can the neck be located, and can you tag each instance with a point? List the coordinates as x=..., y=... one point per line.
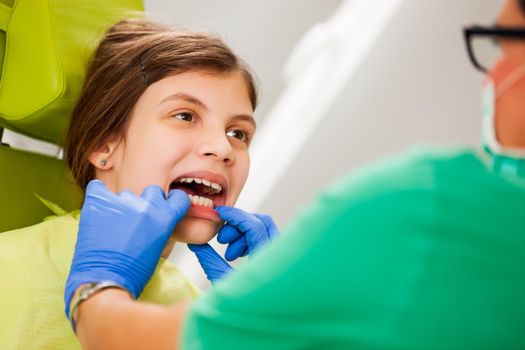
x=511, y=137
x=168, y=248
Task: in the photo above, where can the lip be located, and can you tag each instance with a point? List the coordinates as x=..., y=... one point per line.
x=201, y=211
x=198, y=211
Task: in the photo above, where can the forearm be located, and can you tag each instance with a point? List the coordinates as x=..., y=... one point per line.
x=110, y=319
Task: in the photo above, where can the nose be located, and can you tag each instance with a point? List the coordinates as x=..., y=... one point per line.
x=215, y=144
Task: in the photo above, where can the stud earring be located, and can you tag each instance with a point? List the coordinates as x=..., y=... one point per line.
x=103, y=162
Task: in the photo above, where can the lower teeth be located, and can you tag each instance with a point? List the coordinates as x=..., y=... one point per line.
x=202, y=201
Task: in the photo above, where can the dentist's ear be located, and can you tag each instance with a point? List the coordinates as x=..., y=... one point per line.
x=103, y=157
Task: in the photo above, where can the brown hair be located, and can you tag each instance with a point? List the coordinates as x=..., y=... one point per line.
x=133, y=54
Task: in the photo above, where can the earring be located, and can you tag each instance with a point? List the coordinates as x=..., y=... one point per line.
x=103, y=162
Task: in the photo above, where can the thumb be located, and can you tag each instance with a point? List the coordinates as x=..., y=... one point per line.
x=153, y=194
x=179, y=201
x=96, y=188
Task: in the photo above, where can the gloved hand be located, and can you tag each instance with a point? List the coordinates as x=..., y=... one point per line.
x=121, y=236
x=211, y=262
x=243, y=232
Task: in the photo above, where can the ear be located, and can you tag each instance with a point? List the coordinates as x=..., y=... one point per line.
x=102, y=158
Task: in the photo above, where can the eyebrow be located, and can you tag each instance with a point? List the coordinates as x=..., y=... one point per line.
x=185, y=97
x=193, y=100
x=247, y=118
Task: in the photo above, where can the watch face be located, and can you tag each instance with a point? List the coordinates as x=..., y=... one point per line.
x=86, y=290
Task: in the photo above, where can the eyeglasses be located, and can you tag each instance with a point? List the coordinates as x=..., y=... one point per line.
x=483, y=43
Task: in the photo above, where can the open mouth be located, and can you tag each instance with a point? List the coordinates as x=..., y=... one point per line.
x=201, y=191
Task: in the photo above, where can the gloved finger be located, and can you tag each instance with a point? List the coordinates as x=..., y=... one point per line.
x=96, y=184
x=97, y=189
x=128, y=197
x=228, y=234
x=236, y=248
x=153, y=193
x=271, y=227
x=243, y=220
x=205, y=251
x=211, y=262
x=249, y=224
x=179, y=202
x=131, y=200
x=246, y=252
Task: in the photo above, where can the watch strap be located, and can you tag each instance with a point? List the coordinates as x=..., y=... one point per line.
x=87, y=291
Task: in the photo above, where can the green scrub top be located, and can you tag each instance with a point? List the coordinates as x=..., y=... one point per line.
x=424, y=251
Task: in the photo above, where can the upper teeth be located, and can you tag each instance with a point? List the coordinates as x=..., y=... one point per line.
x=212, y=185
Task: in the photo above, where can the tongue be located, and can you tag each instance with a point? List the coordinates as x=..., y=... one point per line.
x=181, y=187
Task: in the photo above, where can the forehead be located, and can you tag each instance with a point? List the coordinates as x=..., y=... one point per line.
x=511, y=14
x=227, y=87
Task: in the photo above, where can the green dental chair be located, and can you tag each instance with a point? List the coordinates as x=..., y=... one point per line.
x=44, y=48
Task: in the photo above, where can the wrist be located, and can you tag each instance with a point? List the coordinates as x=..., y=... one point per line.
x=94, y=266
x=91, y=291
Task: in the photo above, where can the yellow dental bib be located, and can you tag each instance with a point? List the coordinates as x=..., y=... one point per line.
x=34, y=264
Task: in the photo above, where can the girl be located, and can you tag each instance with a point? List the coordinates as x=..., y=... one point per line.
x=159, y=107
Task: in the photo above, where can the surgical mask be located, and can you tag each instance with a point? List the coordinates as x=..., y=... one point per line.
x=511, y=158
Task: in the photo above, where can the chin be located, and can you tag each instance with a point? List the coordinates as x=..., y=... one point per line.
x=195, y=230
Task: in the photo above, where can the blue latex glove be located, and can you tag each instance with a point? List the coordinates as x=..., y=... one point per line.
x=243, y=232
x=121, y=236
x=211, y=262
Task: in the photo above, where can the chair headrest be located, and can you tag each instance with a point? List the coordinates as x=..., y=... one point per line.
x=46, y=46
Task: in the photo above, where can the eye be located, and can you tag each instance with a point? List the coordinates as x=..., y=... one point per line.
x=184, y=116
x=239, y=134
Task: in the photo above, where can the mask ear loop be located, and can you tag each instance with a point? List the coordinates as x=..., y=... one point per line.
x=510, y=81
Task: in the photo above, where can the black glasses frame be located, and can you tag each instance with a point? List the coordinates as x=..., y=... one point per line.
x=517, y=33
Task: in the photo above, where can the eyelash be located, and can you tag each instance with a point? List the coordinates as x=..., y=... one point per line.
x=187, y=113
x=246, y=135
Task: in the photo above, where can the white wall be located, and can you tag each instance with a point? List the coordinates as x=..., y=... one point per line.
x=415, y=86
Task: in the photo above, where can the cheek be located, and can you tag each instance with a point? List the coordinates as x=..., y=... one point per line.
x=511, y=101
x=511, y=104
x=148, y=159
x=239, y=175
x=502, y=69
x=138, y=171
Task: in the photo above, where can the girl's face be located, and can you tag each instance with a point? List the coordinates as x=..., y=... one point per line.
x=189, y=131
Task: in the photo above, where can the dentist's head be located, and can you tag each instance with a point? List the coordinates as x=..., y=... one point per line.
x=167, y=108
x=499, y=51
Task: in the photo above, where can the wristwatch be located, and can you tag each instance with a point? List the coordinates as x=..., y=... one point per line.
x=87, y=291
